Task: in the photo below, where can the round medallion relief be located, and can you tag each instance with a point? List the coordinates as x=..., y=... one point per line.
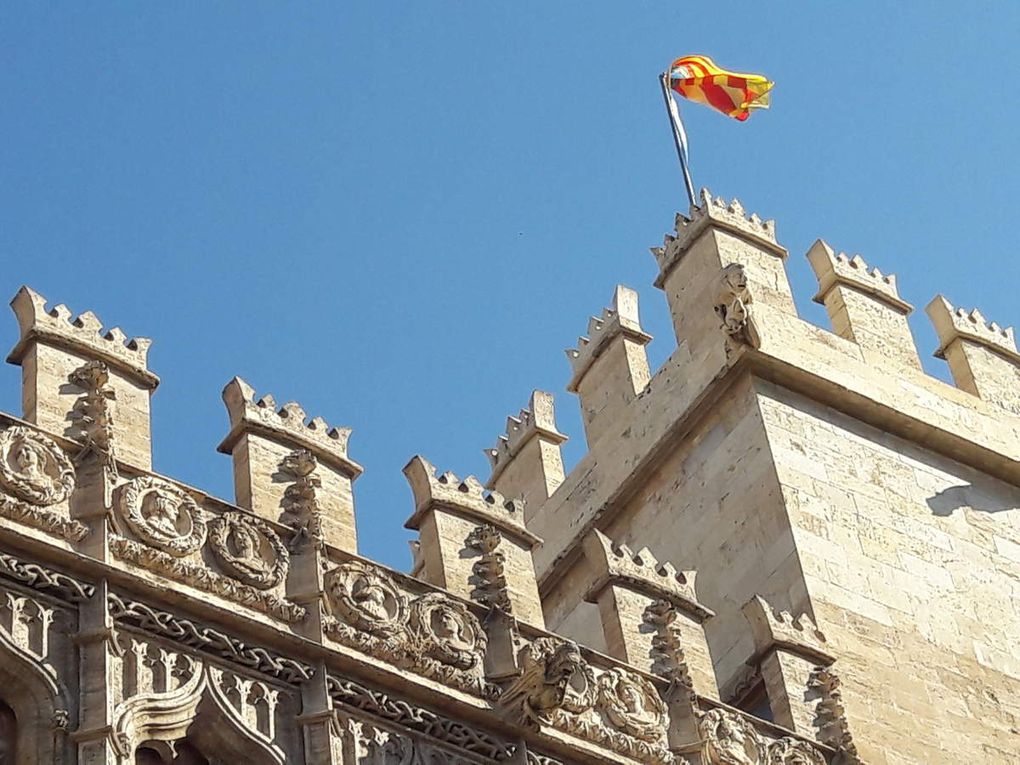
x=730, y=739
x=33, y=468
x=632, y=704
x=249, y=549
x=790, y=751
x=366, y=597
x=161, y=515
x=448, y=631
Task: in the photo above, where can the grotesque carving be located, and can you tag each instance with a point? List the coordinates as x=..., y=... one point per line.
x=733, y=305
x=632, y=704
x=489, y=569
x=448, y=631
x=92, y=412
x=249, y=549
x=367, y=598
x=553, y=676
x=161, y=515
x=730, y=739
x=300, y=504
x=33, y=468
x=790, y=751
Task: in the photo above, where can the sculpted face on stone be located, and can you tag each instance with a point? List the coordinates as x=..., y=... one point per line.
x=790, y=751
x=249, y=549
x=161, y=515
x=33, y=468
x=366, y=597
x=730, y=739
x=447, y=631
x=632, y=704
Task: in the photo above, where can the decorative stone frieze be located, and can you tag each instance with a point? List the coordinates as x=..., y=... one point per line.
x=162, y=515
x=203, y=578
x=350, y=694
x=45, y=580
x=430, y=634
x=731, y=739
x=192, y=634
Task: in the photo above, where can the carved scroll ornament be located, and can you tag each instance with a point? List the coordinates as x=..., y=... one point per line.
x=249, y=549
x=33, y=468
x=161, y=515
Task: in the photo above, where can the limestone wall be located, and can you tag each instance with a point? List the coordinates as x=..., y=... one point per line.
x=912, y=562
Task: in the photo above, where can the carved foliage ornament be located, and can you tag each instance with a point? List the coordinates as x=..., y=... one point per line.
x=162, y=515
x=249, y=549
x=33, y=468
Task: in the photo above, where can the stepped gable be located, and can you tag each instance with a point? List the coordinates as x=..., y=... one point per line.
x=617, y=563
x=466, y=497
x=288, y=425
x=952, y=323
x=833, y=269
x=717, y=212
x=83, y=334
x=538, y=419
x=798, y=634
x=621, y=318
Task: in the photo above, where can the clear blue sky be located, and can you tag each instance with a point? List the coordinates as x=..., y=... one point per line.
x=400, y=214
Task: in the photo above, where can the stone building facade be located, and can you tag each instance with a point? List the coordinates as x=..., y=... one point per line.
x=787, y=546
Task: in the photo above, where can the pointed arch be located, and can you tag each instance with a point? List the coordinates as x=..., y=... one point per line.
x=39, y=700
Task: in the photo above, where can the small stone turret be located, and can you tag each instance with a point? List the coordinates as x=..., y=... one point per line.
x=59, y=355
x=788, y=649
x=711, y=237
x=982, y=356
x=473, y=542
x=650, y=613
x=864, y=305
x=527, y=461
x=290, y=470
x=610, y=364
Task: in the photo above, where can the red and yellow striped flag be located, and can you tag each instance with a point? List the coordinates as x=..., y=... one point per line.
x=732, y=93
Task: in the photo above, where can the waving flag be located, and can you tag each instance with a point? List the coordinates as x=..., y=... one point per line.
x=699, y=79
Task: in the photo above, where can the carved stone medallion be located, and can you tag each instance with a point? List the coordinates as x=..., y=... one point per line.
x=632, y=704
x=161, y=515
x=790, y=751
x=33, y=468
x=730, y=739
x=447, y=631
x=249, y=549
x=367, y=598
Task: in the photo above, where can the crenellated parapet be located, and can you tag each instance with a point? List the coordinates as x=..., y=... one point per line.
x=982, y=356
x=788, y=650
x=645, y=606
x=610, y=364
x=864, y=305
x=52, y=350
x=526, y=460
x=452, y=516
x=714, y=236
x=269, y=444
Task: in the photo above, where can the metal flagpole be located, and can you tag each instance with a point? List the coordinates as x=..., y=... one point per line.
x=679, y=135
